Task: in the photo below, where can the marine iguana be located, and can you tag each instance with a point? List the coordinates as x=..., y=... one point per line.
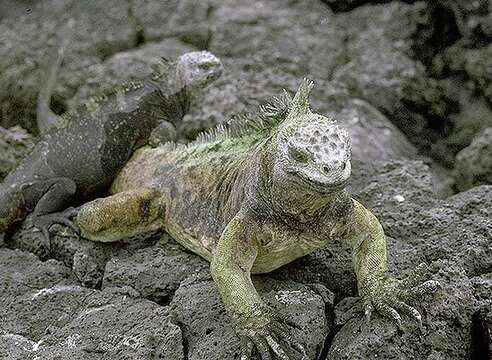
x=250, y=197
x=84, y=149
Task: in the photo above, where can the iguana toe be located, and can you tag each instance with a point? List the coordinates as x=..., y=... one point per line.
x=389, y=312
x=430, y=286
x=410, y=311
x=389, y=297
x=272, y=342
x=44, y=222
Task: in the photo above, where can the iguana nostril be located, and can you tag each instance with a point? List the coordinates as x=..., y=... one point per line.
x=344, y=165
x=326, y=169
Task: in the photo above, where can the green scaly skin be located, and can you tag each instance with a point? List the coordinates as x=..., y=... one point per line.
x=250, y=198
x=80, y=153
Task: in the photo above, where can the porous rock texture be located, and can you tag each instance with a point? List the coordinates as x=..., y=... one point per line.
x=15, y=143
x=473, y=165
x=409, y=80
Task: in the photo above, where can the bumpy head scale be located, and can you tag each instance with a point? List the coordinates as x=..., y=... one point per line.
x=312, y=149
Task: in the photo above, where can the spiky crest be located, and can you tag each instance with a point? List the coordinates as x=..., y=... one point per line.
x=267, y=117
x=300, y=104
x=278, y=109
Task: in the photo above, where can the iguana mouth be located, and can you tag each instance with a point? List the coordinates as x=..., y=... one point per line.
x=319, y=186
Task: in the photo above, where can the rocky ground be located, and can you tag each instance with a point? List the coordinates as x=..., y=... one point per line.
x=410, y=80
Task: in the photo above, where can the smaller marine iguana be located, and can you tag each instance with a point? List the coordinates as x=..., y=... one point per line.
x=251, y=197
x=84, y=149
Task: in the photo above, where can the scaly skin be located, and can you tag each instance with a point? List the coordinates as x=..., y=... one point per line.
x=250, y=199
x=82, y=152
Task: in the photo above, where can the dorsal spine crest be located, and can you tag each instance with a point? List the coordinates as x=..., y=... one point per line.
x=269, y=115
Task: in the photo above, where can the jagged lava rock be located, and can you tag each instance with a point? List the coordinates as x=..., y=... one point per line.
x=155, y=272
x=473, y=18
x=46, y=314
x=28, y=43
x=87, y=259
x=379, y=67
x=474, y=163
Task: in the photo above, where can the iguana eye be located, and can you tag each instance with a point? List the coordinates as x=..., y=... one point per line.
x=298, y=155
x=205, y=66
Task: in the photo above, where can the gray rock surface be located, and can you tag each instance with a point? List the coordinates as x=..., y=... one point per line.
x=155, y=272
x=474, y=116
x=474, y=163
x=46, y=315
x=86, y=258
x=29, y=42
x=465, y=69
x=473, y=64
x=379, y=67
x=14, y=145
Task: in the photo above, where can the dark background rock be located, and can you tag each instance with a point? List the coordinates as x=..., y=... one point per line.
x=15, y=143
x=411, y=81
x=472, y=18
x=474, y=163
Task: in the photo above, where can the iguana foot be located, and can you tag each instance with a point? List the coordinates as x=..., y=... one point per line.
x=389, y=297
x=269, y=337
x=44, y=222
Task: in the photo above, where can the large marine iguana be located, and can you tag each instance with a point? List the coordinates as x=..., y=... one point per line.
x=82, y=151
x=251, y=197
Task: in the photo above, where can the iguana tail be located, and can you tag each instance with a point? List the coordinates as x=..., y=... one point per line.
x=45, y=117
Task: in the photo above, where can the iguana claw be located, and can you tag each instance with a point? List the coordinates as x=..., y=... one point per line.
x=389, y=297
x=273, y=339
x=44, y=222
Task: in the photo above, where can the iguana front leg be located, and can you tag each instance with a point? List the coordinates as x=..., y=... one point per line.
x=124, y=214
x=380, y=292
x=255, y=323
x=57, y=193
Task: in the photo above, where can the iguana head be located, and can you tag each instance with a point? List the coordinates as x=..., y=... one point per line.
x=197, y=69
x=311, y=157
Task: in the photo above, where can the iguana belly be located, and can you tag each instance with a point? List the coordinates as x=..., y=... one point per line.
x=281, y=244
x=200, y=245
x=278, y=246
